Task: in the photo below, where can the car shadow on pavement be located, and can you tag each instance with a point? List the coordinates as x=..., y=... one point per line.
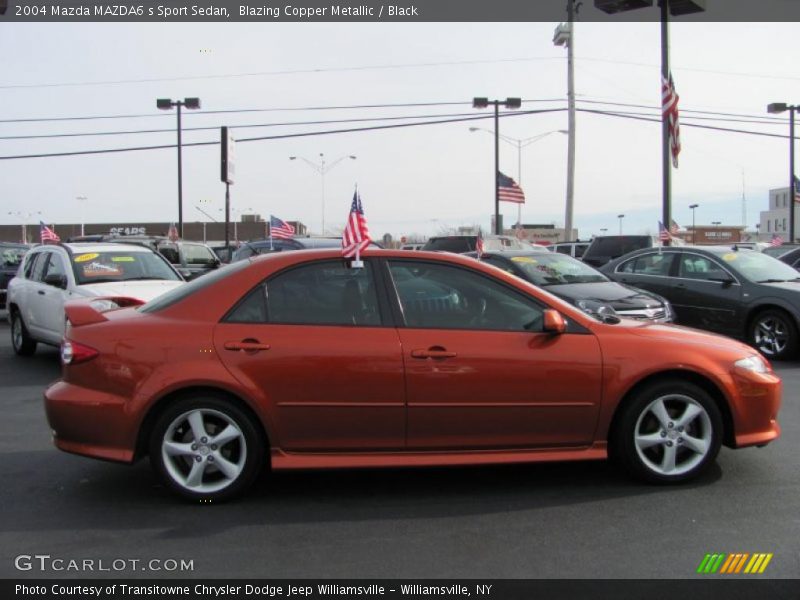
x=54, y=491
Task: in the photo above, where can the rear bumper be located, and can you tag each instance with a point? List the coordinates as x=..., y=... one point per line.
x=90, y=423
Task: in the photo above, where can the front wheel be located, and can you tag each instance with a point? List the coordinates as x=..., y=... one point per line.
x=206, y=449
x=773, y=333
x=669, y=433
x=21, y=341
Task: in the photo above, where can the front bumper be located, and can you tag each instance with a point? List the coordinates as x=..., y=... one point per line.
x=755, y=411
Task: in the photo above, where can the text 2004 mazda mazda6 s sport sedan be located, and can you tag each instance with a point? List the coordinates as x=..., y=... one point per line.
x=296, y=360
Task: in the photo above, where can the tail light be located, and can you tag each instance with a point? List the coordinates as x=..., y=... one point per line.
x=73, y=353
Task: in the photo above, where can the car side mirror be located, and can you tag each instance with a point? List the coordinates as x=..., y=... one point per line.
x=553, y=322
x=56, y=280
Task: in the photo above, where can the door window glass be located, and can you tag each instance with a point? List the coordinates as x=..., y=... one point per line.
x=55, y=266
x=446, y=297
x=38, y=268
x=694, y=266
x=325, y=293
x=649, y=264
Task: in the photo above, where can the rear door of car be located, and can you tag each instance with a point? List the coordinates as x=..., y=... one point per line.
x=315, y=342
x=480, y=372
x=652, y=271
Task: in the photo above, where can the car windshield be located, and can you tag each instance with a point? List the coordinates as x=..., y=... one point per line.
x=759, y=267
x=556, y=269
x=12, y=256
x=120, y=265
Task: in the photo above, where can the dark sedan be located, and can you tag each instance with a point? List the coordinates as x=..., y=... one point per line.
x=789, y=254
x=741, y=293
x=580, y=284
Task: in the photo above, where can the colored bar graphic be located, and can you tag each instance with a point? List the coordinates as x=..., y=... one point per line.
x=729, y=564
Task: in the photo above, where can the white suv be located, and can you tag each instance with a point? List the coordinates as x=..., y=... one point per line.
x=51, y=274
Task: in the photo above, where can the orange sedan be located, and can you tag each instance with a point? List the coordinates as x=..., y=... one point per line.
x=296, y=360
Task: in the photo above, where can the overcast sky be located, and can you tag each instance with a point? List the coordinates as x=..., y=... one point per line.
x=412, y=180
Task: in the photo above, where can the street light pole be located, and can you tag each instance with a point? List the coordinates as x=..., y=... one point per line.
x=167, y=104
x=620, y=217
x=322, y=168
x=694, y=231
x=81, y=199
x=511, y=103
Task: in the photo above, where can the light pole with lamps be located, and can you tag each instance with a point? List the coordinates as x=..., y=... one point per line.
x=716, y=225
x=520, y=144
x=603, y=230
x=694, y=231
x=322, y=168
x=23, y=217
x=167, y=104
x=620, y=217
x=511, y=103
x=777, y=108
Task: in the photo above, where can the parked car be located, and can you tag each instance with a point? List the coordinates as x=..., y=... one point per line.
x=741, y=293
x=10, y=258
x=468, y=243
x=574, y=249
x=604, y=248
x=296, y=360
x=53, y=274
x=268, y=246
x=190, y=259
x=789, y=254
x=582, y=285
x=223, y=252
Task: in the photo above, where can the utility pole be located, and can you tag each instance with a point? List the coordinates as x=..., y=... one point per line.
x=565, y=36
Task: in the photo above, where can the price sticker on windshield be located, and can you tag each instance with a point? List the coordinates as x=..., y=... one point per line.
x=730, y=257
x=85, y=257
x=524, y=259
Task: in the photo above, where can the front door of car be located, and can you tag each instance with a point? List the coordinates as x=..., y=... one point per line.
x=481, y=373
x=312, y=345
x=45, y=303
x=707, y=296
x=52, y=299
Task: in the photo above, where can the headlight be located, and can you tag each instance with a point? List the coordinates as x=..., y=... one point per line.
x=754, y=363
x=602, y=312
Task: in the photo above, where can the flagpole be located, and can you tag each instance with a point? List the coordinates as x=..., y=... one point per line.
x=666, y=167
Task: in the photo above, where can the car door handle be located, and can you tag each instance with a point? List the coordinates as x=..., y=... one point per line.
x=434, y=352
x=246, y=346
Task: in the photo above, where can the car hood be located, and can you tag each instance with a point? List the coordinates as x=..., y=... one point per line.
x=616, y=295
x=791, y=286
x=143, y=290
x=687, y=335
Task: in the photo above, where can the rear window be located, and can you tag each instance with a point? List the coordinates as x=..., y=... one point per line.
x=457, y=245
x=197, y=254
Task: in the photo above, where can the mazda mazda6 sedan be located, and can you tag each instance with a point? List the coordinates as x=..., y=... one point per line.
x=301, y=360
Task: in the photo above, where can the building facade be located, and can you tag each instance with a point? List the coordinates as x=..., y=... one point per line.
x=775, y=220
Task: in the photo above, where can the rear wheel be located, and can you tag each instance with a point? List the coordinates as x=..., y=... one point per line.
x=773, y=333
x=669, y=433
x=206, y=448
x=21, y=341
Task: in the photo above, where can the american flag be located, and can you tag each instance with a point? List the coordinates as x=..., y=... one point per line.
x=776, y=240
x=46, y=234
x=509, y=191
x=796, y=189
x=669, y=108
x=674, y=228
x=356, y=234
x=663, y=234
x=172, y=234
x=279, y=228
x=479, y=245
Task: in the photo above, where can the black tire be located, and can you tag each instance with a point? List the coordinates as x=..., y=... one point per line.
x=21, y=341
x=773, y=333
x=669, y=446
x=192, y=468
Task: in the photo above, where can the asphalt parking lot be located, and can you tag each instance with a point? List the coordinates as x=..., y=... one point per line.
x=573, y=520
